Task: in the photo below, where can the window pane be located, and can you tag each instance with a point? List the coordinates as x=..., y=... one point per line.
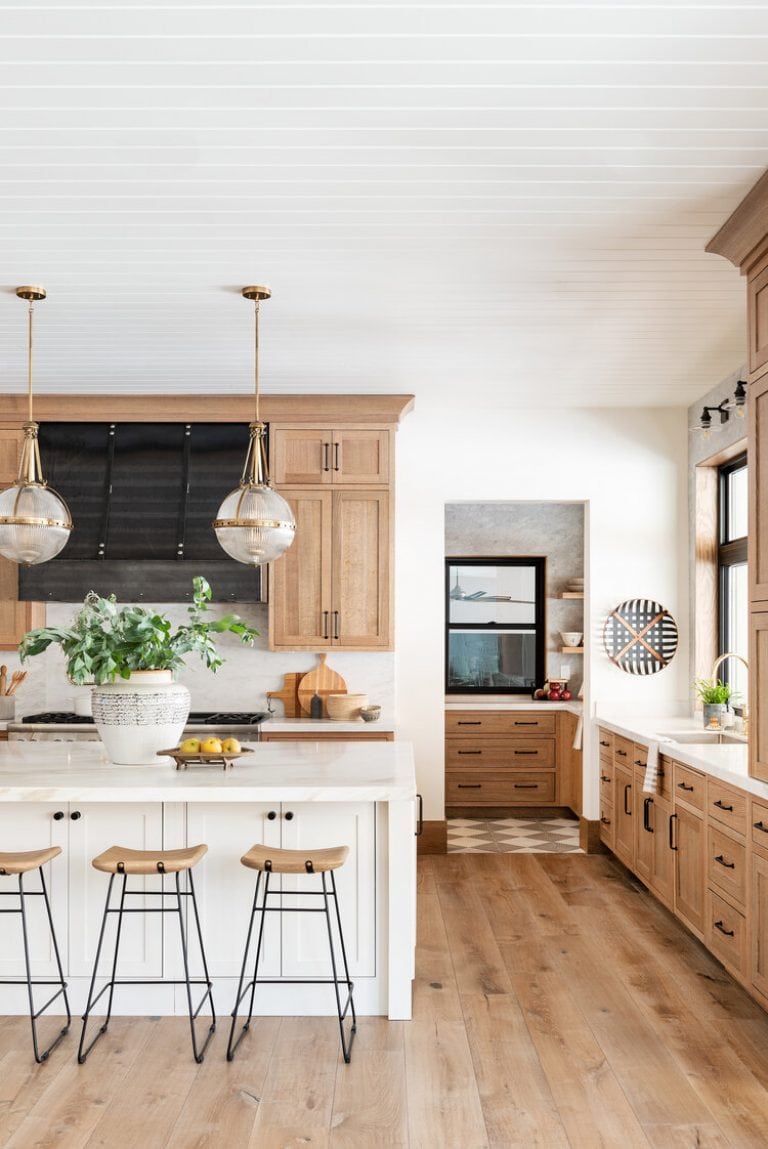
x=480, y=595
x=737, y=629
x=477, y=659
x=737, y=504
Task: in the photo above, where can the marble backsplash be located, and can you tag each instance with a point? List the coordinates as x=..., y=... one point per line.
x=240, y=684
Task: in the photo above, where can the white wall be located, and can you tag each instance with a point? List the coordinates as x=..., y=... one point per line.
x=629, y=465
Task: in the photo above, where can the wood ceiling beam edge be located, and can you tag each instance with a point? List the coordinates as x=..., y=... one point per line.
x=744, y=230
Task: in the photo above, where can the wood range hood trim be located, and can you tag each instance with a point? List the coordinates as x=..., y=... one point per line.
x=338, y=410
x=742, y=238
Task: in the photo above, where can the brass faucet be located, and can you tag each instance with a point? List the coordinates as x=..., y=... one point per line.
x=718, y=663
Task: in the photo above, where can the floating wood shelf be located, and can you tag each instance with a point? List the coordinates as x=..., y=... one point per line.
x=571, y=649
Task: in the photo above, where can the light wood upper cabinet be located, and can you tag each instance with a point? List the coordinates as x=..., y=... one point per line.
x=757, y=317
x=16, y=618
x=758, y=682
x=332, y=588
x=305, y=456
x=757, y=476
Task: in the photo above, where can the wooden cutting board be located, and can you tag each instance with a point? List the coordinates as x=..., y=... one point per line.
x=289, y=695
x=323, y=681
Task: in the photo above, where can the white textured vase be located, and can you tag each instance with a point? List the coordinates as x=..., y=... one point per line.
x=138, y=716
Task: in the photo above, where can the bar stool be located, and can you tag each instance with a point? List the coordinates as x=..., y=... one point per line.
x=268, y=861
x=126, y=862
x=22, y=863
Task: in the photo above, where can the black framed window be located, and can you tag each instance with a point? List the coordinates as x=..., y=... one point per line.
x=495, y=625
x=732, y=564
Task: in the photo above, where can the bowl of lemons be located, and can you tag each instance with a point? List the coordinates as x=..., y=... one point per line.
x=211, y=751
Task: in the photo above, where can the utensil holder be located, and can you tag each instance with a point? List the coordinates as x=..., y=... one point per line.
x=7, y=708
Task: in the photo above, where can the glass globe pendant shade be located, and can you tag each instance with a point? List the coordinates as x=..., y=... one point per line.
x=35, y=523
x=255, y=524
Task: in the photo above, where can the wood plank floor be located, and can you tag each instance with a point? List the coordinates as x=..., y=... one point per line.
x=556, y=1005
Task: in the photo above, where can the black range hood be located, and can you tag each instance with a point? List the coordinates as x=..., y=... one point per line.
x=143, y=497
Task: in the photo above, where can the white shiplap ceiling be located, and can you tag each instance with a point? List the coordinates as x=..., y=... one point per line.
x=471, y=202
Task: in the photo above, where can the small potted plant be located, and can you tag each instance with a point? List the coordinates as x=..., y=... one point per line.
x=714, y=696
x=129, y=655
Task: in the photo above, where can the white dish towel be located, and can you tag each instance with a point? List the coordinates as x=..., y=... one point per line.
x=651, y=769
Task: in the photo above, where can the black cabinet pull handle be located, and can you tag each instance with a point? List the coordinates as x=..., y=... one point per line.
x=326, y=456
x=326, y=635
x=621, y=753
x=525, y=786
x=722, y=806
x=336, y=624
x=336, y=464
x=757, y=825
x=272, y=815
x=465, y=752
x=58, y=815
x=682, y=786
x=605, y=821
x=75, y=815
x=525, y=752
x=639, y=762
x=647, y=802
x=728, y=865
x=517, y=722
x=420, y=825
x=604, y=743
x=627, y=788
x=672, y=845
x=605, y=778
x=470, y=785
x=466, y=722
x=289, y=816
x=720, y=926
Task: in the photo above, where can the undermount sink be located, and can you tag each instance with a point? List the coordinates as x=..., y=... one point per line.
x=704, y=738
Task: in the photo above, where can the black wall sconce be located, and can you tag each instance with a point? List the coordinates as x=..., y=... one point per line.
x=714, y=417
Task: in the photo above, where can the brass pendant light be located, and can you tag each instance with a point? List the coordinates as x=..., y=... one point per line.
x=35, y=522
x=254, y=524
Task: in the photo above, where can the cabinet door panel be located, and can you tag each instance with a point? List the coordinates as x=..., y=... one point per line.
x=758, y=685
x=301, y=456
x=690, y=868
x=623, y=807
x=644, y=836
x=134, y=824
x=225, y=888
x=757, y=477
x=300, y=593
x=757, y=320
x=758, y=926
x=305, y=940
x=361, y=457
x=663, y=881
x=361, y=576
x=31, y=826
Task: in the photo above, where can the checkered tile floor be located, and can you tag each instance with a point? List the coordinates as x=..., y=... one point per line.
x=513, y=836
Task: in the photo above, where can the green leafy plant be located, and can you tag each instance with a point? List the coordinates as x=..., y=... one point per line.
x=106, y=642
x=716, y=692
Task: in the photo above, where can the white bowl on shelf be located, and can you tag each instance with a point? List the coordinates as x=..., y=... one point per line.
x=571, y=637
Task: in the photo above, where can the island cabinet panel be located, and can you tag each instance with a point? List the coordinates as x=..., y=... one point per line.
x=16, y=618
x=333, y=587
x=326, y=456
x=295, y=945
x=77, y=891
x=690, y=868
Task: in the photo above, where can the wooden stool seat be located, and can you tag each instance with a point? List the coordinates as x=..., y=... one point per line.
x=21, y=862
x=122, y=860
x=277, y=861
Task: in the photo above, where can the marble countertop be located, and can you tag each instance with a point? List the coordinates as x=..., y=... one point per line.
x=726, y=762
x=275, y=772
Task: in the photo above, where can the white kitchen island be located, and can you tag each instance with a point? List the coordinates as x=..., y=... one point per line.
x=291, y=794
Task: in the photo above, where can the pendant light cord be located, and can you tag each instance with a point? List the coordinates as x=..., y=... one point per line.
x=256, y=353
x=29, y=359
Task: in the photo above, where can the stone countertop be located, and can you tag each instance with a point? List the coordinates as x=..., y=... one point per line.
x=274, y=772
x=324, y=725
x=727, y=762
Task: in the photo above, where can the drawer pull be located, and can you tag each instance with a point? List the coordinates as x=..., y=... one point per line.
x=720, y=926
x=672, y=845
x=604, y=743
x=606, y=821
x=728, y=865
x=470, y=785
x=463, y=722
x=761, y=826
x=465, y=752
x=621, y=753
x=627, y=789
x=684, y=786
x=525, y=751
x=607, y=778
x=721, y=806
x=520, y=723
x=526, y=786
x=639, y=762
x=647, y=803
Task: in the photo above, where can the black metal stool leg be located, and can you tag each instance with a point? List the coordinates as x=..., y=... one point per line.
x=41, y=1056
x=346, y=1047
x=232, y=1046
x=199, y=1054
x=82, y=1052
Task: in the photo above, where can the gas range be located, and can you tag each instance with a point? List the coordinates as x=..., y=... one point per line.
x=65, y=726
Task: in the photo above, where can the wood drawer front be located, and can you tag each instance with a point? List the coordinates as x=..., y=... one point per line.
x=521, y=722
x=606, y=782
x=726, y=933
x=605, y=744
x=639, y=755
x=664, y=778
x=492, y=788
x=689, y=786
x=727, y=863
x=623, y=751
x=500, y=753
x=759, y=824
x=607, y=824
x=727, y=805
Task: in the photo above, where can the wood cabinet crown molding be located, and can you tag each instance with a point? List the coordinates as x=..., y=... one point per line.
x=745, y=228
x=340, y=410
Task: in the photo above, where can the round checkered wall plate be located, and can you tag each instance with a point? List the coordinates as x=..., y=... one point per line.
x=640, y=636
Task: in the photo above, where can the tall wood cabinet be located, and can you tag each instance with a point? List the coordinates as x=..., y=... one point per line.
x=15, y=617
